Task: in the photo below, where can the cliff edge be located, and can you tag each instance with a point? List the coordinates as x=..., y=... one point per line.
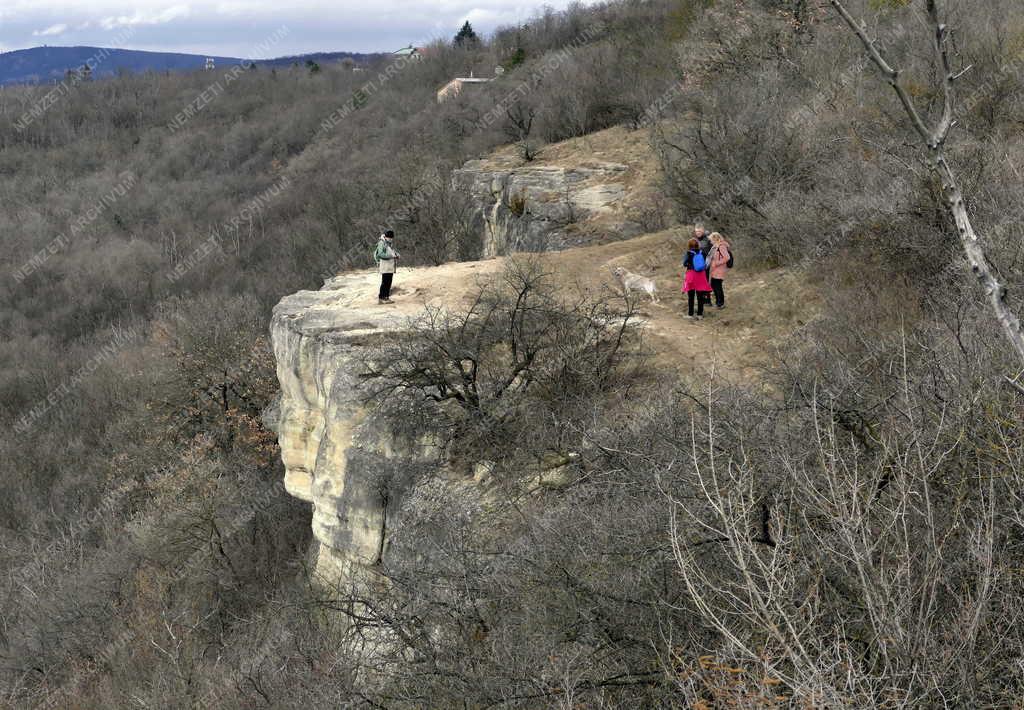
x=335, y=446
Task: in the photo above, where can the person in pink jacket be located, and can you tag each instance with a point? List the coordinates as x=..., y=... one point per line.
x=719, y=259
x=695, y=282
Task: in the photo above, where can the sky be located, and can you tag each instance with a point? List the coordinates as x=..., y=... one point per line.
x=251, y=29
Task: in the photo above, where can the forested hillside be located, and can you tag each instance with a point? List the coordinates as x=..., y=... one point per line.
x=841, y=529
x=51, y=65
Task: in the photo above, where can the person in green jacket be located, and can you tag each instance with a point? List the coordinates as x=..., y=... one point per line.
x=386, y=258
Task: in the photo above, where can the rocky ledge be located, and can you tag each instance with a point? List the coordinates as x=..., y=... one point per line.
x=335, y=446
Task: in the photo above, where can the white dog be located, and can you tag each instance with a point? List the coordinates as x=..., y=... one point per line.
x=635, y=282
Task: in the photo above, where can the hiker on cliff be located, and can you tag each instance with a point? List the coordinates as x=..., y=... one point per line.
x=719, y=263
x=704, y=239
x=386, y=258
x=695, y=281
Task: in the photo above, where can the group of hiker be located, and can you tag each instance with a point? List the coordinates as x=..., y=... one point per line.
x=708, y=258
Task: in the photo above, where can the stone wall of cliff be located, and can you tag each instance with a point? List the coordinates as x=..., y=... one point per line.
x=589, y=190
x=336, y=449
x=533, y=208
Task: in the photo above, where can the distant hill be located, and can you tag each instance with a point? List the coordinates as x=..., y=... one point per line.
x=319, y=57
x=45, y=64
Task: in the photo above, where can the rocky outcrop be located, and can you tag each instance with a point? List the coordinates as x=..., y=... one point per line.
x=340, y=453
x=595, y=189
x=335, y=453
x=344, y=456
x=362, y=468
x=543, y=207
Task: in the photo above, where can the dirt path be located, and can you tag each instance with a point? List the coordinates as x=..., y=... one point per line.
x=763, y=307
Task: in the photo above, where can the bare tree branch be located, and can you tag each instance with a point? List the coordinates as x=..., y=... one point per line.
x=1015, y=385
x=935, y=140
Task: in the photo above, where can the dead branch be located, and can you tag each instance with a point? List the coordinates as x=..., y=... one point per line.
x=935, y=140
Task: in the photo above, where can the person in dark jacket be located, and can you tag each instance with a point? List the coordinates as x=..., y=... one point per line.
x=703, y=239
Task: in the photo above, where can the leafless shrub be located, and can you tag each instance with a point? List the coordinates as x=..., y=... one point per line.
x=855, y=544
x=518, y=344
x=520, y=124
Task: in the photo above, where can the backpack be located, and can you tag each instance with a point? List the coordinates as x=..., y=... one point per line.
x=729, y=263
x=699, y=263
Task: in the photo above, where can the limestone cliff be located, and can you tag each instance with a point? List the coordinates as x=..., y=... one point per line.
x=586, y=191
x=531, y=208
x=338, y=452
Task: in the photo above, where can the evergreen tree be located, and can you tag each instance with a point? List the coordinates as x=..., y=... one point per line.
x=466, y=36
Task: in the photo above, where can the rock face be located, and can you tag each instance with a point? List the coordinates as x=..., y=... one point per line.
x=543, y=207
x=330, y=452
x=338, y=452
x=595, y=189
x=343, y=454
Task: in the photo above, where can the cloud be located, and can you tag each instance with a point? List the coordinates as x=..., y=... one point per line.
x=50, y=31
x=234, y=7
x=492, y=17
x=233, y=27
x=145, y=18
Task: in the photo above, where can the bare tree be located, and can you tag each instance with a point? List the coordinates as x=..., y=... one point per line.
x=517, y=347
x=520, y=125
x=935, y=142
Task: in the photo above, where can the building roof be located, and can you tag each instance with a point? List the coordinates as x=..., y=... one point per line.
x=406, y=51
x=453, y=87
